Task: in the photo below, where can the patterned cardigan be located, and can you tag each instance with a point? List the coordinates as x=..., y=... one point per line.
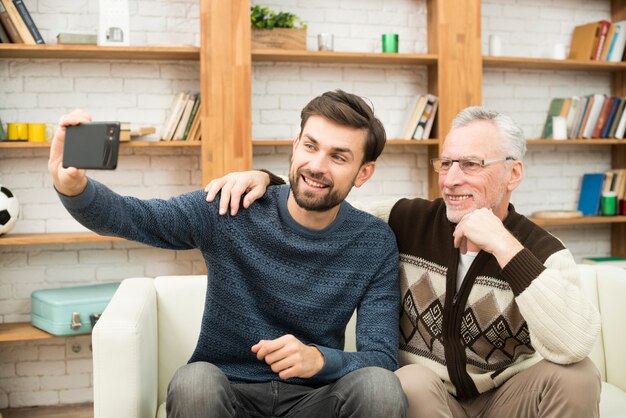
x=501, y=321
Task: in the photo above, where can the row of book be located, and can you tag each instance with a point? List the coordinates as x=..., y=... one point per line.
x=595, y=184
x=182, y=122
x=420, y=117
x=593, y=116
x=17, y=25
x=599, y=41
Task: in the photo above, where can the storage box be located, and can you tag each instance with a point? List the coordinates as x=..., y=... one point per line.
x=278, y=38
x=70, y=310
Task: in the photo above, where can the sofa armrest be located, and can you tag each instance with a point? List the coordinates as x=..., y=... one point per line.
x=611, y=294
x=125, y=353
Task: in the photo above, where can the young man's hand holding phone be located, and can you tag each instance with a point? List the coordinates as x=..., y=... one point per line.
x=78, y=144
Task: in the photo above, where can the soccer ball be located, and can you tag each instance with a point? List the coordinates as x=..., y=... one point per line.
x=9, y=209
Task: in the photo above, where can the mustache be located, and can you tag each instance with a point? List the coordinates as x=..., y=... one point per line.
x=316, y=176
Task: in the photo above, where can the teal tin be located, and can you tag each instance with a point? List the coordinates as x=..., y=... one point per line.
x=70, y=310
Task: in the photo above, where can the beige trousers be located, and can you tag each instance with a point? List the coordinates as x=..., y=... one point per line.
x=543, y=390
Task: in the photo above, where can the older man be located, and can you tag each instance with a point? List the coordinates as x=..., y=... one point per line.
x=494, y=323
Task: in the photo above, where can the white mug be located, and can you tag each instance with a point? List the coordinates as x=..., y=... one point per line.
x=495, y=46
x=559, y=52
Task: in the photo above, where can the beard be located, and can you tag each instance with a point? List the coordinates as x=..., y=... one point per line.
x=310, y=201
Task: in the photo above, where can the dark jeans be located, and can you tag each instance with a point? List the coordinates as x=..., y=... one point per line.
x=202, y=390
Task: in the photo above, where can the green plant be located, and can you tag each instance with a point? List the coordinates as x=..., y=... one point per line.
x=265, y=18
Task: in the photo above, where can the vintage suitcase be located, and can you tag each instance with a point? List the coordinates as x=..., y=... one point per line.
x=70, y=310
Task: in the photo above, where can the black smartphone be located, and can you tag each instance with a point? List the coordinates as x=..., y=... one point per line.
x=92, y=145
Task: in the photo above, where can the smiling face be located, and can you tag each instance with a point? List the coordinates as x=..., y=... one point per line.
x=327, y=161
x=491, y=187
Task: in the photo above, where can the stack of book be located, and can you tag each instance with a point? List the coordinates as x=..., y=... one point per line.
x=593, y=116
x=599, y=41
x=420, y=117
x=16, y=24
x=594, y=184
x=182, y=122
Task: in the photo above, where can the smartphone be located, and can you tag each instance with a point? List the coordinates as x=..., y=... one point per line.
x=92, y=145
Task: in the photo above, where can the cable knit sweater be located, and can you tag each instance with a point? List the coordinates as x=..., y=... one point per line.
x=501, y=321
x=269, y=276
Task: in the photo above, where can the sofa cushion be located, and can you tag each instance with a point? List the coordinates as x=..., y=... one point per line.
x=180, y=304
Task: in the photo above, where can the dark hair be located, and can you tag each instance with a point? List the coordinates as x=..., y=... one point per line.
x=348, y=110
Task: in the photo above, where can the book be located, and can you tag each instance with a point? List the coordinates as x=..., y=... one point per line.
x=194, y=115
x=602, y=118
x=431, y=118
x=8, y=25
x=184, y=118
x=4, y=36
x=69, y=38
x=584, y=41
x=18, y=22
x=173, y=116
x=616, y=119
x=604, y=30
x=608, y=43
x=612, y=113
x=554, y=110
x=583, y=110
x=593, y=115
x=421, y=124
x=605, y=261
x=28, y=20
x=619, y=42
x=571, y=115
x=412, y=116
x=3, y=134
x=590, y=192
x=621, y=127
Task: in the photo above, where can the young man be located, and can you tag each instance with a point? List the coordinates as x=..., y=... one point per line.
x=283, y=277
x=493, y=320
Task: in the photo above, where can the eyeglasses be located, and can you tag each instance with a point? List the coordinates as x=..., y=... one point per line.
x=467, y=165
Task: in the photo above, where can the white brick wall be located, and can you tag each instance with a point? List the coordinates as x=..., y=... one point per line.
x=46, y=373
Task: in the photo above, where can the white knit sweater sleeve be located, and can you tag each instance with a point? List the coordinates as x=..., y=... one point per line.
x=562, y=321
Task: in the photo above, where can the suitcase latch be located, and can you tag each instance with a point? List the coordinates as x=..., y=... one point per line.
x=75, y=320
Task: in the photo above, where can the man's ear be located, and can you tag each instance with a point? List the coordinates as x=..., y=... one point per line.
x=365, y=173
x=295, y=142
x=517, y=174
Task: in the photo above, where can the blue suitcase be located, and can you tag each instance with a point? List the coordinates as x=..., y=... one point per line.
x=70, y=310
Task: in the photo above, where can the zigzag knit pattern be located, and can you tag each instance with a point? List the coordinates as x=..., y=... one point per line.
x=269, y=276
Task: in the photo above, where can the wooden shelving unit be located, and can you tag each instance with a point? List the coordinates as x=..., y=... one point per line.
x=331, y=57
x=54, y=238
x=551, y=64
x=22, y=331
x=99, y=52
x=130, y=144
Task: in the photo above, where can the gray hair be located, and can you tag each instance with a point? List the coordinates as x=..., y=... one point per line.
x=512, y=134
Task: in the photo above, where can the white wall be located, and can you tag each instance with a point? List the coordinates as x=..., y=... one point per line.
x=48, y=372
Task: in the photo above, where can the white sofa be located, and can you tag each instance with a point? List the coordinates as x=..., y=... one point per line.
x=151, y=326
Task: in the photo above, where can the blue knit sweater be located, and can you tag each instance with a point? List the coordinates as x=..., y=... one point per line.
x=269, y=276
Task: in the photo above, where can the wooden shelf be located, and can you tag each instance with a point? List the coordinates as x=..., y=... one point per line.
x=585, y=220
x=54, y=238
x=186, y=53
x=22, y=331
x=131, y=144
x=577, y=141
x=286, y=142
x=551, y=64
x=331, y=57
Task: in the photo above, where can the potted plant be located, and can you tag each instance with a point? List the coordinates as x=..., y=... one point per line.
x=276, y=30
